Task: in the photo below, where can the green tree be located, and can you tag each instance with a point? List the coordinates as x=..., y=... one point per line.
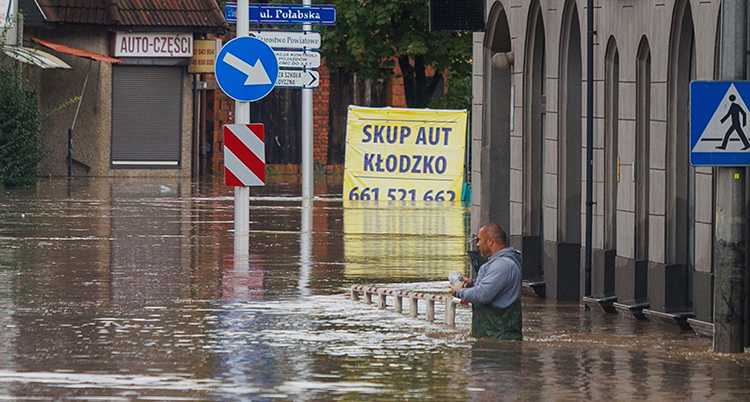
x=21, y=142
x=370, y=34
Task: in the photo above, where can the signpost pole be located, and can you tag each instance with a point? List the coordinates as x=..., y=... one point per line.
x=730, y=235
x=242, y=116
x=307, y=133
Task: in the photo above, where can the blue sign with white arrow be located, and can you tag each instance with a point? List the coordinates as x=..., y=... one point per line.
x=285, y=14
x=246, y=69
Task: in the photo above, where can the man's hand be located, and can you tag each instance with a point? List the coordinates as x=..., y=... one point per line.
x=467, y=282
x=455, y=288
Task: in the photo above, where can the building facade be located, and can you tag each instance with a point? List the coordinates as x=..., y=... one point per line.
x=653, y=212
x=135, y=117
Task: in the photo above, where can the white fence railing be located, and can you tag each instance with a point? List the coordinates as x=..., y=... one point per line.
x=414, y=297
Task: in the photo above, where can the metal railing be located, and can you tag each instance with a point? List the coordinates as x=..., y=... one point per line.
x=414, y=297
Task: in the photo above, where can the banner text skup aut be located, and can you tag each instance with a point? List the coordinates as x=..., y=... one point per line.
x=404, y=154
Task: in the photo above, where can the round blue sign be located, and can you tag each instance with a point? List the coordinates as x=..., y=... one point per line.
x=246, y=69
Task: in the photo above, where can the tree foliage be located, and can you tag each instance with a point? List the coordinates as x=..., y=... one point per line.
x=21, y=142
x=370, y=37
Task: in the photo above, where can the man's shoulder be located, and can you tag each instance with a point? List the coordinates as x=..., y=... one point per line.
x=504, y=259
x=508, y=253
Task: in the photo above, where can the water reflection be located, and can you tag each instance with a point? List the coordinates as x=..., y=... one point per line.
x=305, y=245
x=404, y=240
x=148, y=256
x=133, y=290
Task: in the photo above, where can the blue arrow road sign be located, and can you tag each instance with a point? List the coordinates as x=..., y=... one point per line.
x=246, y=69
x=719, y=133
x=285, y=14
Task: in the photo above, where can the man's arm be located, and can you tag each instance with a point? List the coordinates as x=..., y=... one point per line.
x=495, y=281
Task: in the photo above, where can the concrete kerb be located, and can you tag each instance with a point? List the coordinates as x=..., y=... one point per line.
x=414, y=297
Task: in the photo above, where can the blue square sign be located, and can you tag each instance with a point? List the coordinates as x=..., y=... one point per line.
x=718, y=123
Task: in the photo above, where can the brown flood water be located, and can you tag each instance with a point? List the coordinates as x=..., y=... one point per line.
x=125, y=290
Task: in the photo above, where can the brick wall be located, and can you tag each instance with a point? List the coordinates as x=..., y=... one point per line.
x=223, y=112
x=396, y=96
x=321, y=111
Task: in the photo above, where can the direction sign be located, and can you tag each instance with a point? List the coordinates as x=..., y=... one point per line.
x=298, y=79
x=718, y=123
x=289, y=39
x=246, y=69
x=244, y=155
x=285, y=14
x=297, y=59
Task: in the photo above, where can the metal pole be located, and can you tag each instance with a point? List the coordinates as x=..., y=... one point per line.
x=307, y=133
x=305, y=247
x=589, y=142
x=70, y=153
x=75, y=118
x=202, y=135
x=242, y=116
x=730, y=237
x=194, y=165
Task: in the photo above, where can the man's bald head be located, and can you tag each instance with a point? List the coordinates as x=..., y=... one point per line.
x=491, y=238
x=496, y=231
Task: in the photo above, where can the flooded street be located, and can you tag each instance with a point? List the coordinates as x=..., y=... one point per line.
x=129, y=290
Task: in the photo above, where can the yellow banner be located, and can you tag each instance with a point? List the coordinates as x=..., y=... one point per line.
x=404, y=154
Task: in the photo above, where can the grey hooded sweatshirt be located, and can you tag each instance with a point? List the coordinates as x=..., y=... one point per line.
x=498, y=282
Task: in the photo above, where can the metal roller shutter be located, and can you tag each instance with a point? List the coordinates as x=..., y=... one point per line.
x=146, y=116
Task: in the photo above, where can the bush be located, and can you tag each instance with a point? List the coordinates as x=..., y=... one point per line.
x=21, y=141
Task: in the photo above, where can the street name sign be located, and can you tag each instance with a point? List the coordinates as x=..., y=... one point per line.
x=285, y=14
x=298, y=79
x=718, y=123
x=244, y=155
x=246, y=69
x=301, y=40
x=297, y=59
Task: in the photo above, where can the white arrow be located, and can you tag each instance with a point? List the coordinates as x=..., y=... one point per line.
x=256, y=75
x=314, y=78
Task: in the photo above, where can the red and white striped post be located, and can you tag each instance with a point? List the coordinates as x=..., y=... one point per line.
x=244, y=166
x=244, y=155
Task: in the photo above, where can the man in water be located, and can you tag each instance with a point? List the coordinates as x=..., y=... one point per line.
x=496, y=293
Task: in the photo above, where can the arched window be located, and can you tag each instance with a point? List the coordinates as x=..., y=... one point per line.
x=494, y=200
x=642, y=146
x=611, y=160
x=569, y=139
x=533, y=142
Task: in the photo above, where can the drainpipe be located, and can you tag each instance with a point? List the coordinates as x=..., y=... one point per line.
x=589, y=141
x=73, y=125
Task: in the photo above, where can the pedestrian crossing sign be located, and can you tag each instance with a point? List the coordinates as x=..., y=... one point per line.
x=719, y=133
